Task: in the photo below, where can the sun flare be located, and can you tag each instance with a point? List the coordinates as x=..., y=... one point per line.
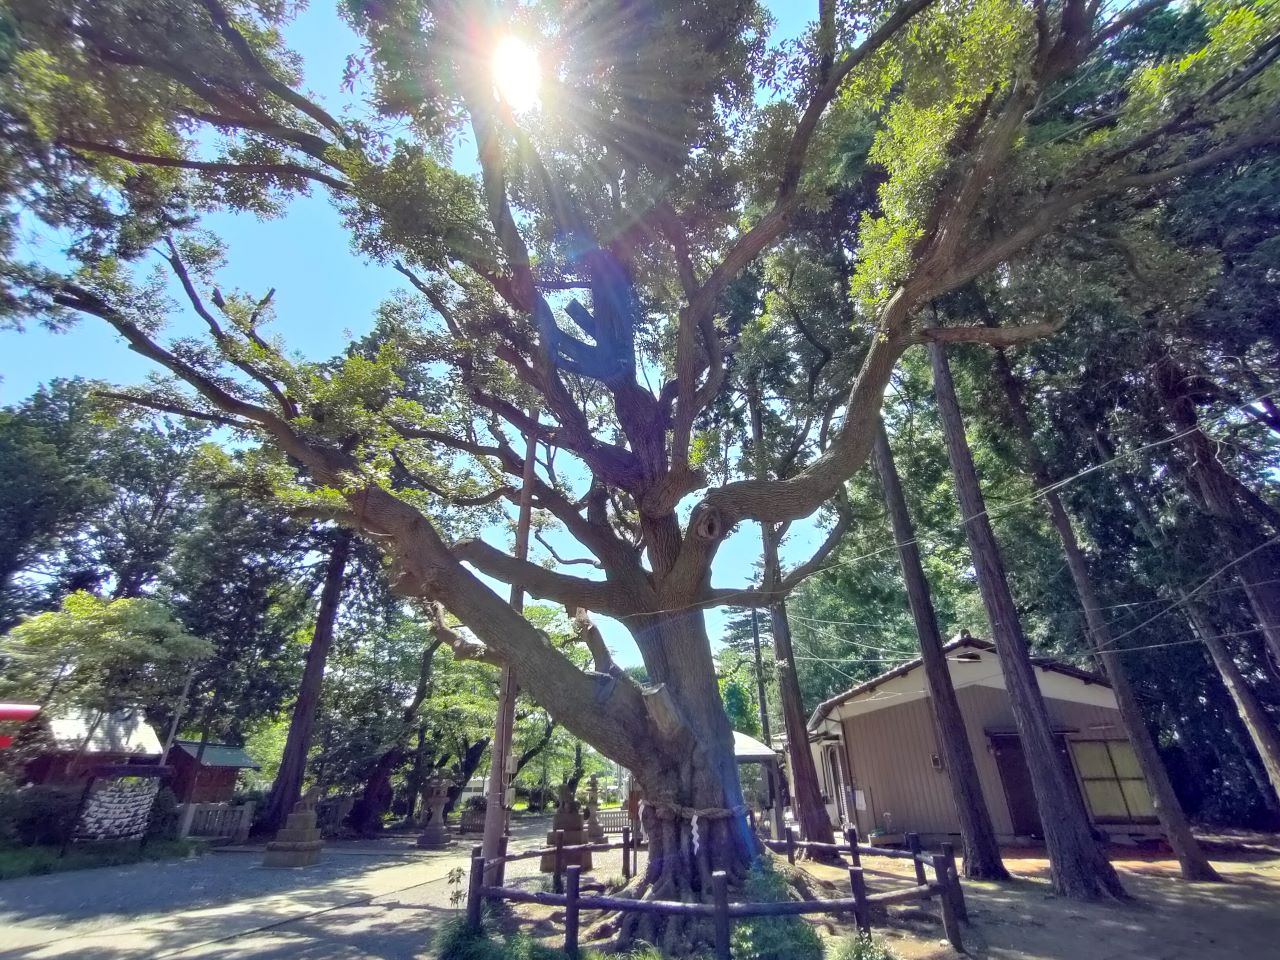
x=516, y=74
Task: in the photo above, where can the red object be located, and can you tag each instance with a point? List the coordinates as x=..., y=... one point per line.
x=21, y=712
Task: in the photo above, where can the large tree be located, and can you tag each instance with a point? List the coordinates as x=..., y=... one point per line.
x=652, y=177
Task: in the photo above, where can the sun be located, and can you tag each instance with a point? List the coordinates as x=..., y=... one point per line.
x=516, y=74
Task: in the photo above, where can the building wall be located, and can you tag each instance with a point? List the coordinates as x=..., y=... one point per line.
x=891, y=753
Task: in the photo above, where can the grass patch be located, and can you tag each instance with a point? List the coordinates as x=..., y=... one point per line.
x=863, y=947
x=458, y=943
x=772, y=938
x=34, y=861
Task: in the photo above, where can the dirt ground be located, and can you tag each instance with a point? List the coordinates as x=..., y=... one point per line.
x=1166, y=919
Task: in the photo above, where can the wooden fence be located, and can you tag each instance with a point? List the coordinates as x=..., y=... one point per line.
x=218, y=821
x=567, y=889
x=613, y=820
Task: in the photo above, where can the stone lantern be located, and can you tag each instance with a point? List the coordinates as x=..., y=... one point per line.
x=434, y=836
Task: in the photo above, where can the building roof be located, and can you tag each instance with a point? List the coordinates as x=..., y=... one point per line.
x=120, y=732
x=963, y=641
x=750, y=750
x=217, y=754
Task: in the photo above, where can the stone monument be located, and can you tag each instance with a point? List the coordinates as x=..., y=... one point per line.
x=434, y=836
x=595, y=832
x=569, y=820
x=298, y=843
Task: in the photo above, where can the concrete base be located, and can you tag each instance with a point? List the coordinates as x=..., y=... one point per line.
x=292, y=854
x=437, y=839
x=298, y=843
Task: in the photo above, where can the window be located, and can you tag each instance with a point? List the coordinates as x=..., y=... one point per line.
x=1113, y=783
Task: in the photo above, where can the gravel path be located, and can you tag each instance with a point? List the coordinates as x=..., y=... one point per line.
x=381, y=899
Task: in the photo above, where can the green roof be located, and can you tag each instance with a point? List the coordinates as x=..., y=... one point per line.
x=217, y=754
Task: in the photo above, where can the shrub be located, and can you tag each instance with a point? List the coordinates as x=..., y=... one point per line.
x=46, y=815
x=772, y=938
x=8, y=812
x=863, y=947
x=478, y=802
x=163, y=824
x=459, y=943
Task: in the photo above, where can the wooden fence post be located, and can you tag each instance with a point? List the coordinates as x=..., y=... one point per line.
x=851, y=838
x=913, y=844
x=185, y=819
x=500, y=871
x=720, y=892
x=957, y=891
x=791, y=845
x=245, y=823
x=571, y=912
x=950, y=922
x=626, y=853
x=474, y=900
x=557, y=876
x=861, y=915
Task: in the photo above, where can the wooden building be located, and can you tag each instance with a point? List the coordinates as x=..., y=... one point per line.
x=208, y=775
x=72, y=743
x=878, y=758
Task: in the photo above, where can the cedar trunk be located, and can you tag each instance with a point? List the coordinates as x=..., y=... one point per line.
x=1078, y=865
x=287, y=789
x=1262, y=732
x=807, y=795
x=1225, y=498
x=1191, y=858
x=981, y=852
x=805, y=792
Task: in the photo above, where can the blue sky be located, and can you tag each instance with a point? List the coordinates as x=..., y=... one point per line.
x=324, y=291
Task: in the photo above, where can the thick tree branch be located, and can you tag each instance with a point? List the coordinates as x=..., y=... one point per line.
x=540, y=582
x=230, y=349
x=565, y=562
x=210, y=166
x=263, y=75
x=153, y=402
x=991, y=336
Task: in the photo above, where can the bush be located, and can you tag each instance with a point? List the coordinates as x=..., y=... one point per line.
x=478, y=802
x=46, y=815
x=772, y=938
x=863, y=947
x=163, y=824
x=459, y=943
x=8, y=812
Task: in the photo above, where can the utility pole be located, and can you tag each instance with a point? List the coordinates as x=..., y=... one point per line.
x=496, y=813
x=771, y=772
x=178, y=708
x=764, y=711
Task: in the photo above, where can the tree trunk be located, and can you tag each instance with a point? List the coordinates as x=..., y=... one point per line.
x=1261, y=728
x=1078, y=865
x=468, y=760
x=805, y=792
x=1191, y=858
x=1225, y=498
x=367, y=813
x=287, y=789
x=981, y=852
x=496, y=815
x=1263, y=733
x=417, y=775
x=375, y=799
x=694, y=814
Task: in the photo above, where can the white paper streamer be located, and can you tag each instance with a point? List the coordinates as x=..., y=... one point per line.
x=695, y=834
